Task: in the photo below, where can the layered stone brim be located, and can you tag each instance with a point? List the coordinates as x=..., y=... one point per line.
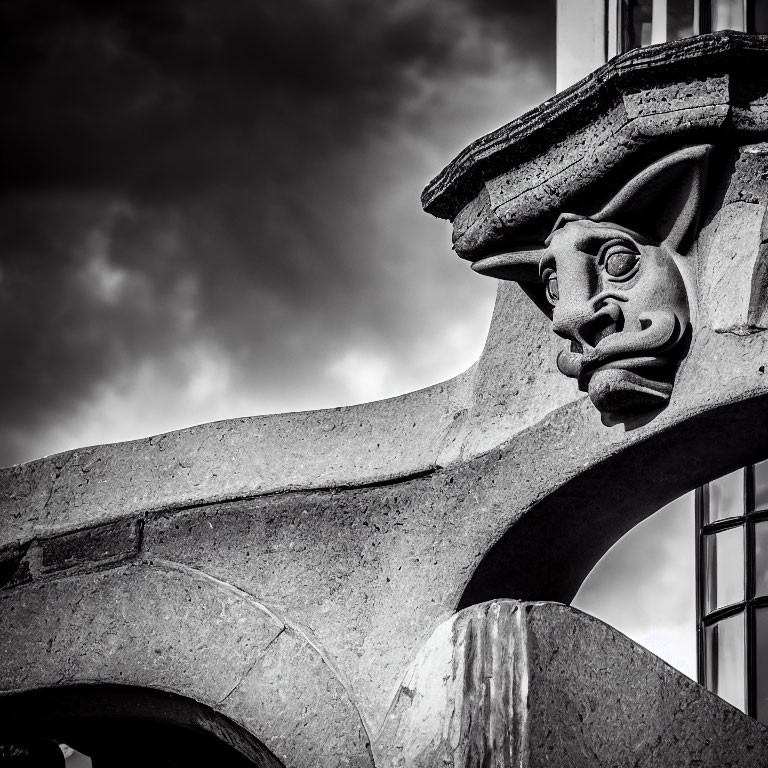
x=572, y=153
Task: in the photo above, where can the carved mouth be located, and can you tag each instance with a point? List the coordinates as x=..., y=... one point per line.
x=625, y=350
x=621, y=389
x=645, y=367
x=582, y=367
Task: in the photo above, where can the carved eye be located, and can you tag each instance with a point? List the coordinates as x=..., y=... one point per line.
x=621, y=261
x=550, y=286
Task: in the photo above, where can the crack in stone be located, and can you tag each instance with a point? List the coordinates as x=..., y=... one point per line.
x=283, y=622
x=251, y=667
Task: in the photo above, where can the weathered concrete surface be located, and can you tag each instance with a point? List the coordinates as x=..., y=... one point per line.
x=522, y=685
x=371, y=571
x=339, y=447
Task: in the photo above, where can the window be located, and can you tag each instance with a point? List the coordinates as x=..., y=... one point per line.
x=645, y=22
x=590, y=32
x=732, y=591
x=645, y=586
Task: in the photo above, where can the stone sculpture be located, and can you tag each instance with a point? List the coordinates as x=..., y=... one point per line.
x=619, y=287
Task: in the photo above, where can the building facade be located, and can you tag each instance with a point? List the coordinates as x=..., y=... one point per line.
x=390, y=584
x=591, y=32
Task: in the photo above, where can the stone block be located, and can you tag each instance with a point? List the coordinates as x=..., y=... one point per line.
x=110, y=542
x=528, y=685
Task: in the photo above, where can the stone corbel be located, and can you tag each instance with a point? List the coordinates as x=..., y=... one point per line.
x=618, y=286
x=632, y=210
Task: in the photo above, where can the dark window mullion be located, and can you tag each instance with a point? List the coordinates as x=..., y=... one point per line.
x=701, y=496
x=749, y=15
x=722, y=525
x=750, y=656
x=705, y=16
x=749, y=636
x=723, y=613
x=625, y=19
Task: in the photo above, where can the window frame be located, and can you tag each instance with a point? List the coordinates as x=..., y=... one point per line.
x=703, y=14
x=750, y=604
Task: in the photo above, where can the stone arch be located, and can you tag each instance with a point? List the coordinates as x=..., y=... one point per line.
x=121, y=725
x=163, y=626
x=549, y=551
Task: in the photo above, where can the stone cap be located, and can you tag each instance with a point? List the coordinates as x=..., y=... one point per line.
x=509, y=186
x=510, y=683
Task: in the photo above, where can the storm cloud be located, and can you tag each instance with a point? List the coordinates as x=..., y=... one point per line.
x=211, y=209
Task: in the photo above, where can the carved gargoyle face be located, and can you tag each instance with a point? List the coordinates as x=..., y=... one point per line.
x=615, y=282
x=619, y=286
x=621, y=302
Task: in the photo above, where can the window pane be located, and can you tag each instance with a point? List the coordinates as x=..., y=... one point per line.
x=724, y=660
x=761, y=559
x=679, y=19
x=761, y=485
x=724, y=568
x=636, y=23
x=761, y=17
x=761, y=665
x=728, y=14
x=726, y=497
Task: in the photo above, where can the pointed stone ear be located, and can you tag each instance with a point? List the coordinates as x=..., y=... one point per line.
x=520, y=266
x=663, y=201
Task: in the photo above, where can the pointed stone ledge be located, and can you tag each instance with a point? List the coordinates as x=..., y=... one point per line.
x=518, y=684
x=509, y=183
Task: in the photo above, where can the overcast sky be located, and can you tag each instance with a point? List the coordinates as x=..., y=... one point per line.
x=211, y=209
x=645, y=585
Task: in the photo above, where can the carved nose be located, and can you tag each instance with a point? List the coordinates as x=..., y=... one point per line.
x=581, y=323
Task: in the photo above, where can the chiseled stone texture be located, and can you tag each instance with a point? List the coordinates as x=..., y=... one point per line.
x=370, y=571
x=528, y=685
x=515, y=180
x=338, y=447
